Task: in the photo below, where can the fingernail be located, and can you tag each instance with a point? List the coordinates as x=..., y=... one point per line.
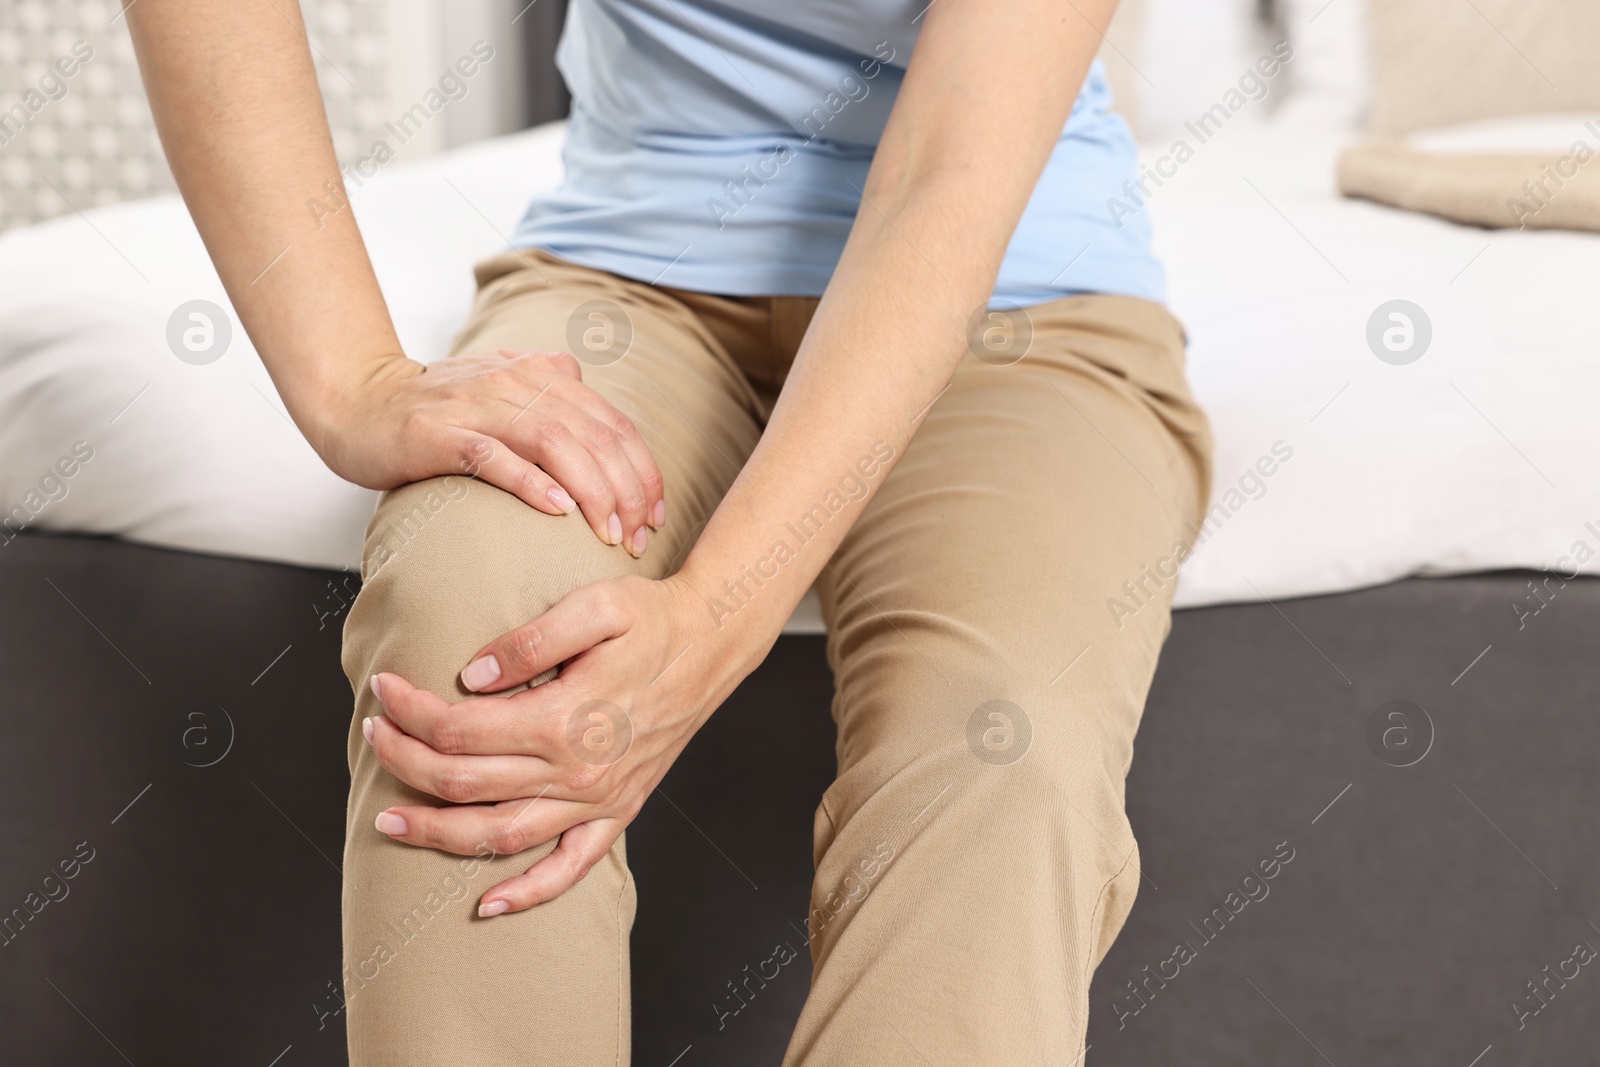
x=373, y=682
x=614, y=529
x=485, y=670
x=558, y=496
x=390, y=823
x=493, y=908
x=366, y=729
x=658, y=514
x=641, y=537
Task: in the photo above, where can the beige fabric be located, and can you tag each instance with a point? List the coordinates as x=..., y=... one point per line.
x=1495, y=191
x=1438, y=62
x=962, y=896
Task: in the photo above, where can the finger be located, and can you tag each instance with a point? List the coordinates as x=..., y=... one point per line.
x=605, y=444
x=478, y=726
x=633, y=446
x=486, y=458
x=457, y=779
x=579, y=849
x=505, y=829
x=574, y=624
x=550, y=441
x=561, y=362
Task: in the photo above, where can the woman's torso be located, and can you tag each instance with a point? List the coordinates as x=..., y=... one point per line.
x=722, y=147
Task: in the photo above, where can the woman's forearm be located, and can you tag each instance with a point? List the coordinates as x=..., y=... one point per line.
x=236, y=101
x=882, y=345
x=984, y=100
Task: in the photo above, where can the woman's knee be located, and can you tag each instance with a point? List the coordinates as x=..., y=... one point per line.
x=451, y=563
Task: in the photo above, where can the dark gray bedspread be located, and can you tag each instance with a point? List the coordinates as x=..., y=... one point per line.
x=172, y=732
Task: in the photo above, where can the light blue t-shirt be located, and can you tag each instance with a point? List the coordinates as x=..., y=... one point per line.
x=722, y=147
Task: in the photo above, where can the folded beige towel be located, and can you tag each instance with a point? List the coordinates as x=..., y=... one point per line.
x=1552, y=191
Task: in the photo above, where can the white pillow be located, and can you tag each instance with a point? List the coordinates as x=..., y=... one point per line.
x=1554, y=133
x=1331, y=71
x=1190, y=54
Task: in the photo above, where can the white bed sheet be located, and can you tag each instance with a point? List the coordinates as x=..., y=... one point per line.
x=1480, y=455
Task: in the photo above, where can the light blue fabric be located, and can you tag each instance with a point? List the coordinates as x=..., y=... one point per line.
x=721, y=148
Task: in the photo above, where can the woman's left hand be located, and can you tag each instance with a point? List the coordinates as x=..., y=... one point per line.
x=643, y=667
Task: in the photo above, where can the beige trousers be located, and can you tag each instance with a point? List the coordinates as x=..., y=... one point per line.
x=973, y=860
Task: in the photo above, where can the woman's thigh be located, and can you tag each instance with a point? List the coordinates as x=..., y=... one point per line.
x=1035, y=495
x=451, y=563
x=989, y=691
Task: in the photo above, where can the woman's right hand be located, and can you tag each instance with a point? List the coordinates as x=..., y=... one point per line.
x=522, y=421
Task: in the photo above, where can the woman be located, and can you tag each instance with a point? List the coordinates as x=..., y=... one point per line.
x=780, y=229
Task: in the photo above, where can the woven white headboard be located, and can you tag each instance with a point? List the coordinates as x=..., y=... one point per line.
x=76, y=132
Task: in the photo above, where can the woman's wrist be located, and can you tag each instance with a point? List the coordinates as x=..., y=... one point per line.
x=739, y=610
x=334, y=401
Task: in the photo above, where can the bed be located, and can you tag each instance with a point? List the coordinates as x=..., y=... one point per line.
x=1382, y=669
